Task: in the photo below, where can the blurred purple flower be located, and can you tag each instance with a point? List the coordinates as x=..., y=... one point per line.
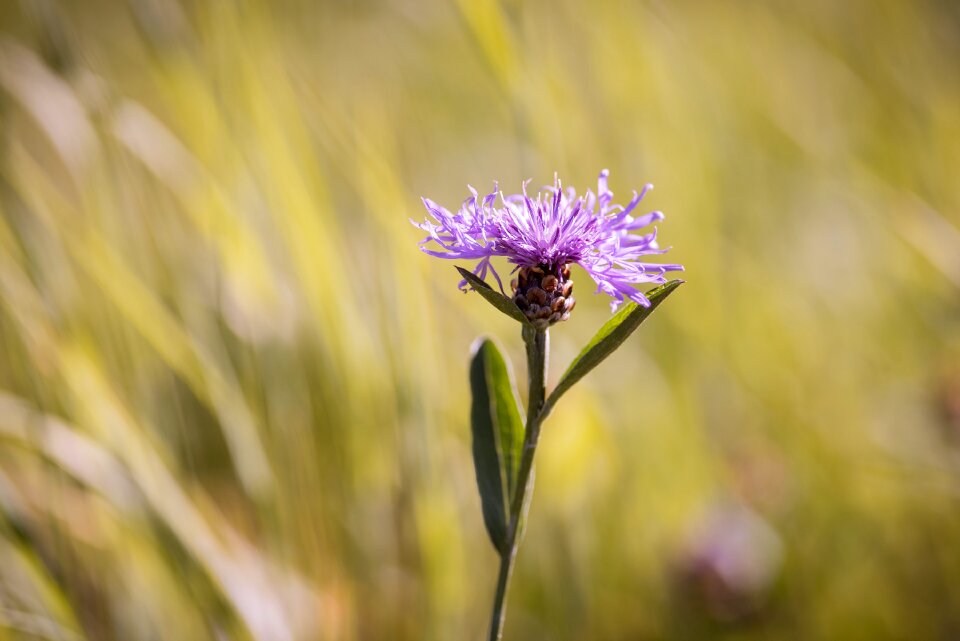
x=730, y=562
x=550, y=232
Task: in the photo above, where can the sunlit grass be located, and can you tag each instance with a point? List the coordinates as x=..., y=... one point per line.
x=233, y=394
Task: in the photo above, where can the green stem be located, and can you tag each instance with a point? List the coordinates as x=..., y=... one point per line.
x=538, y=348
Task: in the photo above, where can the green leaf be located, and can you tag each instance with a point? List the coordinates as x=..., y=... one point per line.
x=497, y=437
x=495, y=298
x=608, y=339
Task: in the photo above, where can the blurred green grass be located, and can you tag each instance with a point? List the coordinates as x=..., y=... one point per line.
x=233, y=394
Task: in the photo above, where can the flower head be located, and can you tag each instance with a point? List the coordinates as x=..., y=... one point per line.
x=543, y=235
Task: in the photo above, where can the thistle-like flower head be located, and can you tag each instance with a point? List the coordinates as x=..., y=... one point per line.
x=542, y=235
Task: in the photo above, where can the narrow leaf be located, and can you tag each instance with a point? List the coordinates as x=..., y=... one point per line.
x=497, y=428
x=495, y=298
x=609, y=338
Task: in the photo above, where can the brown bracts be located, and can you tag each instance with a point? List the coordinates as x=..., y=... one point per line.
x=544, y=294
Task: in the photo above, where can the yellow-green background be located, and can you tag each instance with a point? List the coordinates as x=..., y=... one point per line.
x=233, y=394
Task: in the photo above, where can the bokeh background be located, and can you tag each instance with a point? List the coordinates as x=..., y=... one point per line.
x=233, y=394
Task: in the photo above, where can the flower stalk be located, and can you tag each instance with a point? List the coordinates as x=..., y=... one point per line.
x=538, y=348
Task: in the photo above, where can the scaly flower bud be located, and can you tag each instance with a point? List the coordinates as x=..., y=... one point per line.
x=544, y=294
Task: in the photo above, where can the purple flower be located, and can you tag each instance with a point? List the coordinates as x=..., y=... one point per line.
x=542, y=236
